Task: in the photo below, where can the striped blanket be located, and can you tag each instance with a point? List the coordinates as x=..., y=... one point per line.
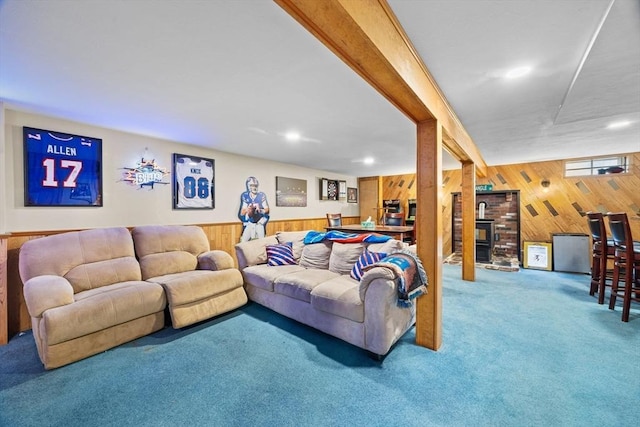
x=411, y=279
x=342, y=237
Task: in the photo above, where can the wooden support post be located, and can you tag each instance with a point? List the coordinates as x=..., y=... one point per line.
x=429, y=232
x=468, y=221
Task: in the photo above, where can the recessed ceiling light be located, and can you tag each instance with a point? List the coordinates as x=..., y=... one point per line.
x=292, y=136
x=514, y=73
x=368, y=160
x=618, y=125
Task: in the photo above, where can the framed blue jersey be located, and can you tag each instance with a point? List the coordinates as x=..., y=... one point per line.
x=61, y=169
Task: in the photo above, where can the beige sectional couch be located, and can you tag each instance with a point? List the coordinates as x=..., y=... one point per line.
x=86, y=292
x=318, y=290
x=199, y=283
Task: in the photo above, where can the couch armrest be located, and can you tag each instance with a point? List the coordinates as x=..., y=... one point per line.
x=42, y=293
x=253, y=252
x=215, y=260
x=385, y=321
x=373, y=274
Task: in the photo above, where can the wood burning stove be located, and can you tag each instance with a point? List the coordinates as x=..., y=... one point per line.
x=484, y=239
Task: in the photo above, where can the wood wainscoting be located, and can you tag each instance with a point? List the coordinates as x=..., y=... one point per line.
x=14, y=317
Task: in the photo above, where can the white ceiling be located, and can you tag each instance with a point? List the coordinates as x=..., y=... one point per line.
x=236, y=75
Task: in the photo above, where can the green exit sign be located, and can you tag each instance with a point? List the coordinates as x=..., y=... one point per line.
x=484, y=187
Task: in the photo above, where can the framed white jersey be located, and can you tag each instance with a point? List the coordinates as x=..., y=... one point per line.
x=193, y=182
x=61, y=169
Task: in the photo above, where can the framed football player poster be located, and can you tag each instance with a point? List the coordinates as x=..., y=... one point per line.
x=193, y=182
x=61, y=169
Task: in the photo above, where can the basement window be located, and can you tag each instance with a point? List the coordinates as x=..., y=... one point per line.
x=597, y=166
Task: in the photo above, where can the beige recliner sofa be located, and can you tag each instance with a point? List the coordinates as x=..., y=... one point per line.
x=199, y=283
x=85, y=294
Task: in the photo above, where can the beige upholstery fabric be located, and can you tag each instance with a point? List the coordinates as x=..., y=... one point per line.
x=387, y=247
x=84, y=294
x=299, y=285
x=167, y=249
x=215, y=260
x=88, y=259
x=44, y=292
x=191, y=286
x=316, y=255
x=61, y=354
x=344, y=256
x=107, y=306
x=319, y=291
x=253, y=252
x=296, y=238
x=339, y=297
x=194, y=277
x=264, y=276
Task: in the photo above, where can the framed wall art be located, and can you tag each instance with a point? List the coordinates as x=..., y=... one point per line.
x=352, y=195
x=291, y=192
x=328, y=189
x=342, y=190
x=537, y=255
x=61, y=169
x=193, y=182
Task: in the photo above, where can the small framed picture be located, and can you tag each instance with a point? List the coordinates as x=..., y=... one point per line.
x=342, y=190
x=352, y=195
x=537, y=255
x=193, y=182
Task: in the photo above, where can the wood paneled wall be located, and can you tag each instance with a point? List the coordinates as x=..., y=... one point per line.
x=14, y=316
x=560, y=209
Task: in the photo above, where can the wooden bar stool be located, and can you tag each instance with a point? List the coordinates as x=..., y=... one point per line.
x=602, y=251
x=626, y=261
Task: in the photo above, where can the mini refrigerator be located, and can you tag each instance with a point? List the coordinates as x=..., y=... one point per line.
x=571, y=253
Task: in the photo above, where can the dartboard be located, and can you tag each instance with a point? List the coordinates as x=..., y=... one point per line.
x=332, y=190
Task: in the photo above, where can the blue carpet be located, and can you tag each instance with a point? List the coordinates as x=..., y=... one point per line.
x=529, y=348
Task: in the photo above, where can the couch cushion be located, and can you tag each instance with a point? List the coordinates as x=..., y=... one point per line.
x=262, y=276
x=296, y=238
x=160, y=264
x=387, y=247
x=367, y=258
x=88, y=259
x=192, y=286
x=253, y=252
x=167, y=249
x=316, y=255
x=96, y=274
x=344, y=256
x=339, y=297
x=280, y=254
x=298, y=285
x=101, y=308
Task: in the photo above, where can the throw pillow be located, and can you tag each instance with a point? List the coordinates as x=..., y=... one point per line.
x=280, y=254
x=344, y=256
x=367, y=258
x=387, y=247
x=295, y=237
x=316, y=255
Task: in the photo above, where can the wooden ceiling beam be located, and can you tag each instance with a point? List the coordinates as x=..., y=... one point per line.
x=367, y=36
